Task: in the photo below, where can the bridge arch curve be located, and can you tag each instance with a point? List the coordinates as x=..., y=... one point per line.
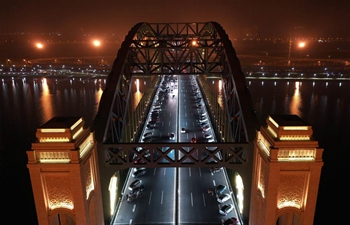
x=202, y=49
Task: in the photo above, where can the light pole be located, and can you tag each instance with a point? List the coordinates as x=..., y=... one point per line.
x=97, y=44
x=40, y=47
x=301, y=46
x=290, y=48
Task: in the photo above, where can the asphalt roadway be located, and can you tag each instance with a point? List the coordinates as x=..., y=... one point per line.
x=175, y=195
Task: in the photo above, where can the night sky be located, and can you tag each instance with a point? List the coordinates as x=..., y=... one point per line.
x=321, y=18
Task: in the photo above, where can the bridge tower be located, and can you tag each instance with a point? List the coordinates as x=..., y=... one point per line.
x=63, y=168
x=286, y=173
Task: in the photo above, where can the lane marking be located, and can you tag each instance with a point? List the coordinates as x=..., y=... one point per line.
x=204, y=200
x=150, y=198
x=161, y=199
x=191, y=199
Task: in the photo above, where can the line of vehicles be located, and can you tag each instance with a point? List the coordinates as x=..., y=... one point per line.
x=164, y=93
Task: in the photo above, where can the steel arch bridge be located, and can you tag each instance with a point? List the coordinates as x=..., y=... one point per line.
x=151, y=50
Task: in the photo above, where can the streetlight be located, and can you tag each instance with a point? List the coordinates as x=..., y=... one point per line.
x=301, y=46
x=40, y=47
x=97, y=44
x=290, y=47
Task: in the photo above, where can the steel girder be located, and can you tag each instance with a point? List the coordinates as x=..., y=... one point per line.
x=127, y=155
x=179, y=48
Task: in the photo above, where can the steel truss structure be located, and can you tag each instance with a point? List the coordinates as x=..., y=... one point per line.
x=155, y=49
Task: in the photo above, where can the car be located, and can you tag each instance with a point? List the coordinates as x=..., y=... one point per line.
x=141, y=149
x=137, y=190
x=139, y=161
x=204, y=124
x=147, y=139
x=207, y=136
x=194, y=140
x=203, y=120
x=135, y=184
x=183, y=130
x=152, y=122
x=225, y=209
x=139, y=173
x=223, y=198
x=172, y=136
x=206, y=128
x=220, y=189
x=211, y=140
x=139, y=168
x=148, y=134
x=231, y=221
x=150, y=126
x=216, y=169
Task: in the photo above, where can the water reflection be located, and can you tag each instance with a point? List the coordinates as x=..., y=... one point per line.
x=46, y=101
x=295, y=102
x=98, y=93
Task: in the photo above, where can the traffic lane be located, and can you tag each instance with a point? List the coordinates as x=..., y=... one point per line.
x=167, y=122
x=220, y=178
x=154, y=206
x=188, y=113
x=194, y=197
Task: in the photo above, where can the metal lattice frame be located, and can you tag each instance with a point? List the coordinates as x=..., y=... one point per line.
x=151, y=50
x=168, y=48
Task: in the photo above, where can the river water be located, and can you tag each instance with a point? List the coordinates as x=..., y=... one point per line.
x=28, y=103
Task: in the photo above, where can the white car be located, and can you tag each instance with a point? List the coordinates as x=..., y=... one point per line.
x=183, y=130
x=208, y=136
x=223, y=198
x=139, y=168
x=211, y=140
x=203, y=120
